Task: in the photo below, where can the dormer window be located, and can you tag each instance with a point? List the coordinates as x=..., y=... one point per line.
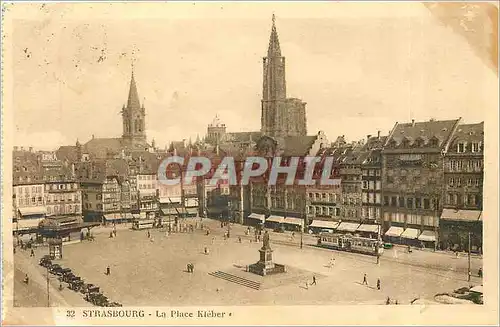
x=461, y=146
x=434, y=142
x=475, y=147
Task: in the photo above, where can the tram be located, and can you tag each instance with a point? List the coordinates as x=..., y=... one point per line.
x=143, y=224
x=350, y=243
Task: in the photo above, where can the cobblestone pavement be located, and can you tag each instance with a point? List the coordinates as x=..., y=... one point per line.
x=153, y=271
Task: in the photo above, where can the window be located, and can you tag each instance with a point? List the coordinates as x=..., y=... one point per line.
x=477, y=182
x=386, y=200
x=451, y=181
x=449, y=198
x=461, y=147
x=427, y=204
x=394, y=201
x=33, y=200
x=459, y=182
x=377, y=198
x=371, y=185
x=39, y=199
x=469, y=182
x=402, y=202
x=418, y=203
x=475, y=147
x=365, y=185
x=472, y=199
x=378, y=185
x=409, y=203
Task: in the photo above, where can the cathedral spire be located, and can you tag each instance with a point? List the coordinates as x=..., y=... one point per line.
x=274, y=43
x=133, y=96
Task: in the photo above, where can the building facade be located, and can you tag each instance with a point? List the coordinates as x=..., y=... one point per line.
x=413, y=179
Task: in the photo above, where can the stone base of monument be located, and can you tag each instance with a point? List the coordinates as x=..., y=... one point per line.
x=265, y=266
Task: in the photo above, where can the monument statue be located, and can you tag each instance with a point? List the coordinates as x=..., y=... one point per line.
x=265, y=241
x=266, y=266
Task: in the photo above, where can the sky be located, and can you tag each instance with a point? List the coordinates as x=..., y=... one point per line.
x=361, y=67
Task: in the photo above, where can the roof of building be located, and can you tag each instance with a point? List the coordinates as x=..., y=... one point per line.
x=67, y=153
x=298, y=145
x=469, y=133
x=417, y=135
x=242, y=137
x=103, y=147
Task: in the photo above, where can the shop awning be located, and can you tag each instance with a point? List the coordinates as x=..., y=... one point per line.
x=348, y=227
x=461, y=215
x=168, y=211
x=170, y=200
x=276, y=219
x=324, y=224
x=410, y=233
x=29, y=211
x=257, y=216
x=26, y=223
x=118, y=216
x=394, y=231
x=294, y=221
x=368, y=228
x=477, y=289
x=428, y=236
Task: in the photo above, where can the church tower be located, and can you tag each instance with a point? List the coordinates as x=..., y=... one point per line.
x=274, y=115
x=134, y=119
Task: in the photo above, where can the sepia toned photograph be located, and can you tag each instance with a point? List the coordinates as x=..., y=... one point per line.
x=210, y=159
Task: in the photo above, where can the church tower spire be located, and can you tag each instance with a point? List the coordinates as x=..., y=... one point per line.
x=273, y=117
x=134, y=118
x=133, y=95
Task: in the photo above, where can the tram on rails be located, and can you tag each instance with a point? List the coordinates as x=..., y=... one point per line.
x=349, y=243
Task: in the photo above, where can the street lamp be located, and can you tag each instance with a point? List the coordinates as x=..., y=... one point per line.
x=468, y=259
x=228, y=217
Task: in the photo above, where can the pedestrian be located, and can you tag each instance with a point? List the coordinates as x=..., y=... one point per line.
x=378, y=283
x=307, y=286
x=388, y=301
x=365, y=282
x=110, y=234
x=188, y=268
x=114, y=232
x=239, y=239
x=213, y=240
x=314, y=280
x=32, y=254
x=108, y=271
x=26, y=279
x=480, y=272
x=206, y=250
x=192, y=268
x=396, y=302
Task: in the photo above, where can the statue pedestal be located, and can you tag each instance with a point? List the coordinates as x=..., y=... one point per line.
x=266, y=266
x=266, y=258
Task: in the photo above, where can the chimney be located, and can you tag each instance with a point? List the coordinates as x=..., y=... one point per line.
x=368, y=137
x=22, y=148
x=30, y=149
x=378, y=135
x=92, y=136
x=15, y=148
x=413, y=122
